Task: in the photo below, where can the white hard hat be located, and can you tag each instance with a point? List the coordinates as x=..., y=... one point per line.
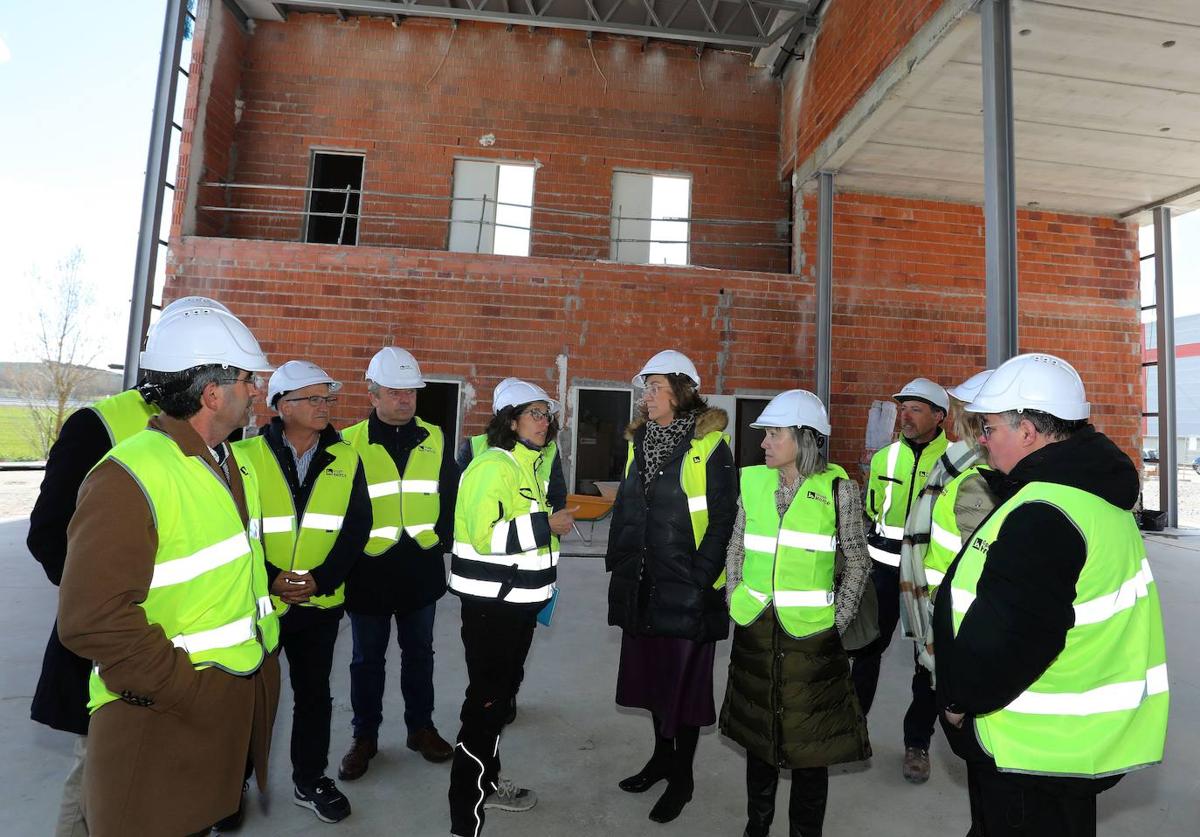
x=924, y=389
x=667, y=362
x=202, y=336
x=794, y=408
x=186, y=302
x=968, y=389
x=297, y=374
x=395, y=368
x=1039, y=382
x=512, y=392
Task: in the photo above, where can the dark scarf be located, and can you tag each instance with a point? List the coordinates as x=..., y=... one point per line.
x=659, y=442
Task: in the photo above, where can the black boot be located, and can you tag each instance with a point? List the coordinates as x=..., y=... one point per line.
x=762, y=779
x=806, y=809
x=655, y=770
x=680, y=783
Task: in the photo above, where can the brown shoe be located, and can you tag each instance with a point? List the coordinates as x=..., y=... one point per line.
x=355, y=762
x=916, y=765
x=430, y=745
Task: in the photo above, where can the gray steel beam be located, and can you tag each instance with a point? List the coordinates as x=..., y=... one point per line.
x=153, y=188
x=413, y=8
x=999, y=182
x=1164, y=302
x=824, y=286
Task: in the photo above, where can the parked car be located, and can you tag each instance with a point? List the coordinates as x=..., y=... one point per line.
x=1196, y=464
x=1149, y=455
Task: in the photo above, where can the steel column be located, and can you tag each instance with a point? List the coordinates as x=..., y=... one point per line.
x=152, y=189
x=824, y=285
x=1164, y=301
x=1000, y=191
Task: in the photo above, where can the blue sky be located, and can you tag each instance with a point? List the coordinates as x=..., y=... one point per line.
x=76, y=93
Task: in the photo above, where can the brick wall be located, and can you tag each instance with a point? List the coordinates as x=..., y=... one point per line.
x=909, y=301
x=416, y=97
x=857, y=39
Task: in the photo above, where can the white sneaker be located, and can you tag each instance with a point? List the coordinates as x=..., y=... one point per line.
x=508, y=797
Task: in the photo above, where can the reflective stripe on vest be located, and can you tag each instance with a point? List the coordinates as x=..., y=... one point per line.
x=123, y=414
x=788, y=562
x=410, y=503
x=1101, y=706
x=208, y=589
x=302, y=548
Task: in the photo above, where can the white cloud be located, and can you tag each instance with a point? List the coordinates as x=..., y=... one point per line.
x=5, y=53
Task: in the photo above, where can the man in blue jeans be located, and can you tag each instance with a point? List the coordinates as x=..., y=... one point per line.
x=413, y=483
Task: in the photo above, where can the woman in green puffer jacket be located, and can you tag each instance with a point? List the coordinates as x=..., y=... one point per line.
x=796, y=569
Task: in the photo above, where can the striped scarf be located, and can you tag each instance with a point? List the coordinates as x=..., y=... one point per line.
x=916, y=608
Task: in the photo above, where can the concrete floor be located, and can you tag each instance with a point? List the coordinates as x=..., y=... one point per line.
x=571, y=744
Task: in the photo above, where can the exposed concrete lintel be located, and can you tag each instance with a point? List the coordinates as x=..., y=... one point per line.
x=928, y=51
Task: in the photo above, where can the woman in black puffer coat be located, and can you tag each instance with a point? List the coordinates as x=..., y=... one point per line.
x=672, y=519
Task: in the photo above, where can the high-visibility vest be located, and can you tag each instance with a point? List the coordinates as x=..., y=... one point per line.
x=544, y=465
x=945, y=538
x=481, y=565
x=410, y=502
x=208, y=591
x=693, y=479
x=1100, y=708
x=789, y=563
x=123, y=414
x=303, y=547
x=897, y=477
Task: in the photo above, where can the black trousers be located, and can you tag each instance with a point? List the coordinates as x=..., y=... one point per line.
x=922, y=710
x=806, y=805
x=1004, y=805
x=308, y=635
x=496, y=638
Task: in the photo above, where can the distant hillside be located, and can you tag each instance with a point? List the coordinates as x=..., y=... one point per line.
x=104, y=382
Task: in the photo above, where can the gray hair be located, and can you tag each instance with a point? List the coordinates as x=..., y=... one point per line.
x=810, y=451
x=1053, y=426
x=373, y=387
x=178, y=394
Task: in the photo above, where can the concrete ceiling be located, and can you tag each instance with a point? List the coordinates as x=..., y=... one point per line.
x=1107, y=107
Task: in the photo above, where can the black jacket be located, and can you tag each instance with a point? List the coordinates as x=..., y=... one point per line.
x=662, y=584
x=406, y=577
x=1023, y=606
x=356, y=526
x=60, y=700
x=556, y=494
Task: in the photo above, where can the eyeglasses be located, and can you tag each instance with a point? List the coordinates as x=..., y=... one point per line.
x=653, y=390
x=313, y=400
x=256, y=381
x=537, y=415
x=987, y=430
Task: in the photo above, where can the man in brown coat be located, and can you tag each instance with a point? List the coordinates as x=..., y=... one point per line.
x=178, y=702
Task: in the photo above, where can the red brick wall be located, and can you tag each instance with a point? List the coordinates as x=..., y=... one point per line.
x=483, y=318
x=218, y=51
x=364, y=85
x=857, y=39
x=909, y=301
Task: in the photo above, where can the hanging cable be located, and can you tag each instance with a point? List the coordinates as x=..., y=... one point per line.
x=597, y=63
x=449, y=43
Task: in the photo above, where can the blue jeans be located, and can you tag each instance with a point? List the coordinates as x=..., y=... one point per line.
x=414, y=634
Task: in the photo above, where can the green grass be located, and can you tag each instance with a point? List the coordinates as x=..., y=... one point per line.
x=18, y=439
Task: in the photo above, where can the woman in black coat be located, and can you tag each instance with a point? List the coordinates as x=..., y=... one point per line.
x=672, y=519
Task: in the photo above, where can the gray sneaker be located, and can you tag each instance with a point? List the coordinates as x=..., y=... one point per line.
x=508, y=797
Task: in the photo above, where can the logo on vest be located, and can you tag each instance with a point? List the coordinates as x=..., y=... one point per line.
x=696, y=459
x=981, y=545
x=335, y=472
x=820, y=498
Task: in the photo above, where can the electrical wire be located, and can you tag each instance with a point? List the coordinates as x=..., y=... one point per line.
x=597, y=63
x=449, y=43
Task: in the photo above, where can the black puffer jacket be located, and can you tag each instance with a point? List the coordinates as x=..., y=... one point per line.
x=662, y=584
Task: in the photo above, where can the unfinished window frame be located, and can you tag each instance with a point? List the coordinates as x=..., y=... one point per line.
x=488, y=221
x=313, y=151
x=616, y=215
